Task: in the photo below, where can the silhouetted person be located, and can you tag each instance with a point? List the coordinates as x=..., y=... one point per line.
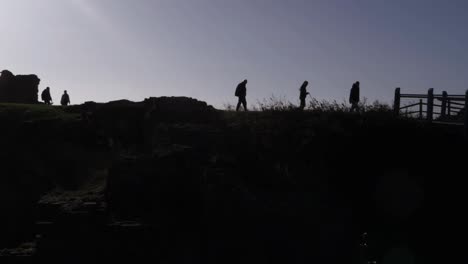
x=65, y=99
x=354, y=97
x=303, y=94
x=241, y=92
x=46, y=97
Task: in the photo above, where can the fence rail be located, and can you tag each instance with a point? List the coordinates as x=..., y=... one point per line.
x=412, y=105
x=449, y=104
x=455, y=103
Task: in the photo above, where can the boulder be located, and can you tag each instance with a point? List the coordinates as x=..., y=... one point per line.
x=179, y=109
x=18, y=89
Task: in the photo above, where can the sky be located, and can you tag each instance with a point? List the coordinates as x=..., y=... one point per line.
x=103, y=50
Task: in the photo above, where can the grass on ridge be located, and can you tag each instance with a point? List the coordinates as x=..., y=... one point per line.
x=33, y=112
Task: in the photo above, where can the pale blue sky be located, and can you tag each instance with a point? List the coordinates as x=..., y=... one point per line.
x=105, y=50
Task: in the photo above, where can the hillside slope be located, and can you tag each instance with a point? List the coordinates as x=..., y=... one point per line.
x=184, y=181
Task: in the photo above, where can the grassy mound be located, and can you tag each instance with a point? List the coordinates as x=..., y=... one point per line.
x=33, y=112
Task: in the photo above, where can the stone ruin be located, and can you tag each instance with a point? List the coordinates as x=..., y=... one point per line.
x=18, y=88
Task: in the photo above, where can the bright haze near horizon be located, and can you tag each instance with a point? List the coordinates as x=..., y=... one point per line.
x=102, y=50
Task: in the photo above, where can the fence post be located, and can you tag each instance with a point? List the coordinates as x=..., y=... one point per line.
x=449, y=108
x=466, y=113
x=420, y=109
x=396, y=106
x=430, y=105
x=444, y=105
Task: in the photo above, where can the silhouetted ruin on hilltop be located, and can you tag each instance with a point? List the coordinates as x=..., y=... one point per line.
x=18, y=88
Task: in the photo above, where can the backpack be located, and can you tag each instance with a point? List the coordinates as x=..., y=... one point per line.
x=237, y=93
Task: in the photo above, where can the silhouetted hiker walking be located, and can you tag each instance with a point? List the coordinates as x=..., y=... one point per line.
x=241, y=92
x=46, y=97
x=65, y=99
x=303, y=94
x=354, y=97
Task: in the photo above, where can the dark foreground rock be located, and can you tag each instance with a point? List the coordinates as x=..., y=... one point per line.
x=173, y=180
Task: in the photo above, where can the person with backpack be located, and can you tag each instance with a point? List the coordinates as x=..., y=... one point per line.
x=65, y=99
x=241, y=93
x=46, y=97
x=303, y=94
x=354, y=97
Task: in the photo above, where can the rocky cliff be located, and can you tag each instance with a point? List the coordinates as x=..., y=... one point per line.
x=18, y=88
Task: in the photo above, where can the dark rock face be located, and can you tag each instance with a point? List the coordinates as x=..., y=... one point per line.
x=173, y=180
x=18, y=89
x=142, y=125
x=180, y=109
x=36, y=156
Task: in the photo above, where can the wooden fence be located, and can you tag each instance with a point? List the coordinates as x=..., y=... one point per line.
x=453, y=109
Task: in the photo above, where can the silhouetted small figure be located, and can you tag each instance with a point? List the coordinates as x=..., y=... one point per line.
x=241, y=92
x=354, y=97
x=303, y=94
x=65, y=99
x=46, y=97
